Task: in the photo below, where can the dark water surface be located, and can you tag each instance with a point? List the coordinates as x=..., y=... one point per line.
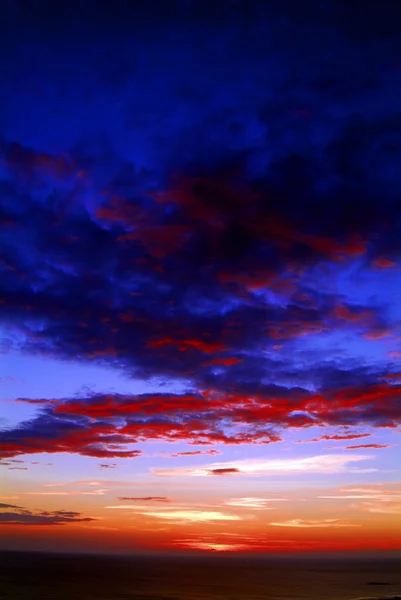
x=34, y=576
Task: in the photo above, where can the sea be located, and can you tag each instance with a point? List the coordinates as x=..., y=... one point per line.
x=39, y=576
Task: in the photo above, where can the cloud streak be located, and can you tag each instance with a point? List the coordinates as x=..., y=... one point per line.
x=328, y=463
x=191, y=516
x=145, y=498
x=254, y=503
x=16, y=515
x=300, y=523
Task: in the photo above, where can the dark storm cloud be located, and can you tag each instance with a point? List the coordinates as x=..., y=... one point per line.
x=176, y=195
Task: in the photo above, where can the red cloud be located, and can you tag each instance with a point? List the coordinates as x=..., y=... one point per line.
x=253, y=281
x=224, y=361
x=30, y=165
x=348, y=314
x=384, y=263
x=160, y=240
x=120, y=211
x=47, y=433
x=183, y=345
x=378, y=333
x=87, y=426
x=281, y=231
x=340, y=436
x=110, y=405
x=211, y=452
x=34, y=401
x=207, y=202
x=102, y=352
x=392, y=376
x=367, y=446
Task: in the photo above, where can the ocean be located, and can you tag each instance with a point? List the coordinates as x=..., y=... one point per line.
x=36, y=576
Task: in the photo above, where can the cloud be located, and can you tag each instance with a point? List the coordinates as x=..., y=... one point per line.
x=347, y=497
x=338, y=437
x=98, y=492
x=145, y=498
x=191, y=516
x=224, y=471
x=21, y=516
x=310, y=524
x=50, y=433
x=228, y=237
x=89, y=483
x=178, y=513
x=373, y=446
x=327, y=463
x=379, y=495
x=258, y=503
x=212, y=546
x=211, y=452
x=394, y=509
x=103, y=425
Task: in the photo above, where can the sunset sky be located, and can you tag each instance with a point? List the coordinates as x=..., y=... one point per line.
x=200, y=276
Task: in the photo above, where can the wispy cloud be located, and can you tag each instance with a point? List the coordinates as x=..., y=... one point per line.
x=336, y=437
x=145, y=498
x=328, y=463
x=368, y=446
x=257, y=503
x=191, y=516
x=393, y=509
x=89, y=483
x=307, y=524
x=211, y=452
x=99, y=492
x=379, y=492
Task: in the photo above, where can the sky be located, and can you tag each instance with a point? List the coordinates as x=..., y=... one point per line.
x=200, y=328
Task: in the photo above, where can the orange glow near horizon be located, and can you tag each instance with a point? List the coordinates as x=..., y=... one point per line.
x=348, y=519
